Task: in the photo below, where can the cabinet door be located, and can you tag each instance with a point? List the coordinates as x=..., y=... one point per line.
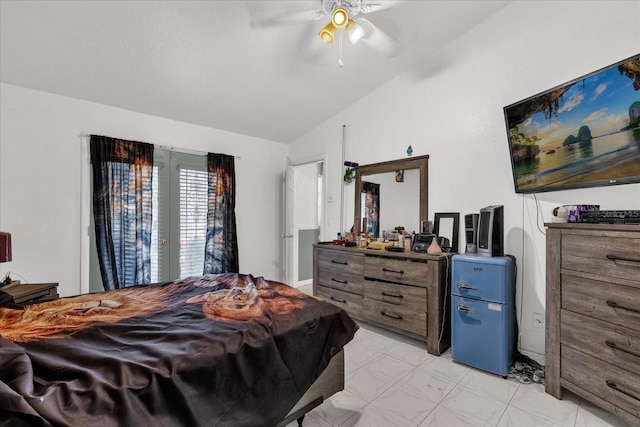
x=482, y=334
x=491, y=279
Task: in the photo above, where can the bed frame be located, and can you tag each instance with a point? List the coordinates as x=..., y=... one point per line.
x=328, y=383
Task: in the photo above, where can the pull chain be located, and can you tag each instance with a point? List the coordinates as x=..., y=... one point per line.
x=340, y=50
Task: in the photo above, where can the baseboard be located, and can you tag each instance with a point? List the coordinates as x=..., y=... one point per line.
x=304, y=282
x=535, y=356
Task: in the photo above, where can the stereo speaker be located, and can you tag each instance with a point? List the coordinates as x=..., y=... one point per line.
x=471, y=232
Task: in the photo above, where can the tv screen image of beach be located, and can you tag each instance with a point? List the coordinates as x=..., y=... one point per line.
x=584, y=133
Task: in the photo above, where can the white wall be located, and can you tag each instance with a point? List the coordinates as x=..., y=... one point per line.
x=452, y=110
x=41, y=179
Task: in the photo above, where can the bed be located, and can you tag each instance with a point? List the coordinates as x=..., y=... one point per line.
x=216, y=350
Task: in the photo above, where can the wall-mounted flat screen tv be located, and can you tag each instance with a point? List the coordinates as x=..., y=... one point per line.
x=584, y=133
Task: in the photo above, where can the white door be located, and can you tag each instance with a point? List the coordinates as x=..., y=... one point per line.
x=304, y=200
x=287, y=226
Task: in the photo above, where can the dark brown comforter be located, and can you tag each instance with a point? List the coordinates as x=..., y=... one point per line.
x=217, y=350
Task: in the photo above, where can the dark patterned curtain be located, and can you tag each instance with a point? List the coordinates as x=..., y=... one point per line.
x=221, y=248
x=122, y=207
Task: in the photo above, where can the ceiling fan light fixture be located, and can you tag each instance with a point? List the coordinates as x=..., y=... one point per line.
x=328, y=33
x=340, y=17
x=355, y=31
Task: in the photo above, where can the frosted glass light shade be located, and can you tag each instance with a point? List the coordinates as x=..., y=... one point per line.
x=354, y=31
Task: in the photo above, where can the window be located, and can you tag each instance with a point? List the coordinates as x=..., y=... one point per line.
x=179, y=218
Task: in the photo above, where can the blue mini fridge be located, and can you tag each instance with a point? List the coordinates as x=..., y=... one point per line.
x=483, y=312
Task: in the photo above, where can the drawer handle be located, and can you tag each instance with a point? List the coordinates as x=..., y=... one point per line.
x=463, y=286
x=624, y=350
x=339, y=300
x=333, y=261
x=393, y=316
x=616, y=305
x=621, y=258
x=614, y=386
x=344, y=282
x=391, y=295
x=388, y=270
x=464, y=308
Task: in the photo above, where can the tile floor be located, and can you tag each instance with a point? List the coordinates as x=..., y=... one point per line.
x=391, y=380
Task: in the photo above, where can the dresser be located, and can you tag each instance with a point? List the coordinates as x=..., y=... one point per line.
x=593, y=315
x=405, y=292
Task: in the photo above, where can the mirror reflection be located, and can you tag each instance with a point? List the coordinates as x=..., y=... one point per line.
x=386, y=204
x=391, y=194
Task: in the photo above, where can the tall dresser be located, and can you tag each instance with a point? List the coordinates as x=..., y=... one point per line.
x=593, y=315
x=405, y=292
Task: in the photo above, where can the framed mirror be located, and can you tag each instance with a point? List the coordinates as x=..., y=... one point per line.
x=392, y=194
x=446, y=225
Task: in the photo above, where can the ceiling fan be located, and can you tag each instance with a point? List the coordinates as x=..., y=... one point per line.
x=345, y=17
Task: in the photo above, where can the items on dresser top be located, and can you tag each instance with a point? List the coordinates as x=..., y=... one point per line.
x=405, y=292
x=593, y=315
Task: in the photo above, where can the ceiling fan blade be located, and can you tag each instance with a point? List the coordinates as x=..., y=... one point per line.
x=377, y=39
x=289, y=19
x=377, y=6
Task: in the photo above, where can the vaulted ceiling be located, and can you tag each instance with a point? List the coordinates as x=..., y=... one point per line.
x=221, y=64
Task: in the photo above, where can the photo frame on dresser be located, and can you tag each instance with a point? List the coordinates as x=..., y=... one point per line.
x=447, y=225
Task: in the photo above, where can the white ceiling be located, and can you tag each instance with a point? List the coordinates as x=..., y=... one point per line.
x=209, y=63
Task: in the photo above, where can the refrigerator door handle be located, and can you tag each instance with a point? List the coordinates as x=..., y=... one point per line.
x=462, y=307
x=464, y=287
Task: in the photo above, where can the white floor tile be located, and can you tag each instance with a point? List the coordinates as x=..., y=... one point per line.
x=474, y=407
x=340, y=407
x=445, y=369
x=413, y=352
x=590, y=415
x=514, y=417
x=425, y=384
x=444, y=417
x=562, y=412
x=374, y=378
x=489, y=385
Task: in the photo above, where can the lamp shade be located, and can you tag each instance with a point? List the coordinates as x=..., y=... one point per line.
x=328, y=33
x=355, y=32
x=5, y=247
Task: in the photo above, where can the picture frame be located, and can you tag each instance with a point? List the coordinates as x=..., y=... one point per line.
x=447, y=225
x=583, y=133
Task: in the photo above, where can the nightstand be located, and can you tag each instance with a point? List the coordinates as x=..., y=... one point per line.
x=24, y=294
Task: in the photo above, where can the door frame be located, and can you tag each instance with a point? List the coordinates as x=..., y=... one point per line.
x=292, y=256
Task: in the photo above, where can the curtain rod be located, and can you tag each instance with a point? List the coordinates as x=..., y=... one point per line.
x=170, y=148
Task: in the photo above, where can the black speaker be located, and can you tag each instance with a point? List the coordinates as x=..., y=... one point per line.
x=471, y=232
x=491, y=231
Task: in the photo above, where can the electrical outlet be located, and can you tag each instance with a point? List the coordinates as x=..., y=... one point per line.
x=538, y=320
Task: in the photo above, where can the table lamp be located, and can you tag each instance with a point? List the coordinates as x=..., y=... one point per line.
x=5, y=247
x=5, y=251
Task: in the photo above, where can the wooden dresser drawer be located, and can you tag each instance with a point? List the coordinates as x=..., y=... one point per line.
x=402, y=318
x=340, y=280
x=617, y=345
x=608, y=302
x=349, y=302
x=617, y=386
x=401, y=295
x=340, y=261
x=397, y=270
x=603, y=255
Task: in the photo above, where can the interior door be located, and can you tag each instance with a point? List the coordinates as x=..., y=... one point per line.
x=287, y=226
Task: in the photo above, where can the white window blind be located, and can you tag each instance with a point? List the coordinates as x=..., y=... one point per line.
x=193, y=221
x=179, y=225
